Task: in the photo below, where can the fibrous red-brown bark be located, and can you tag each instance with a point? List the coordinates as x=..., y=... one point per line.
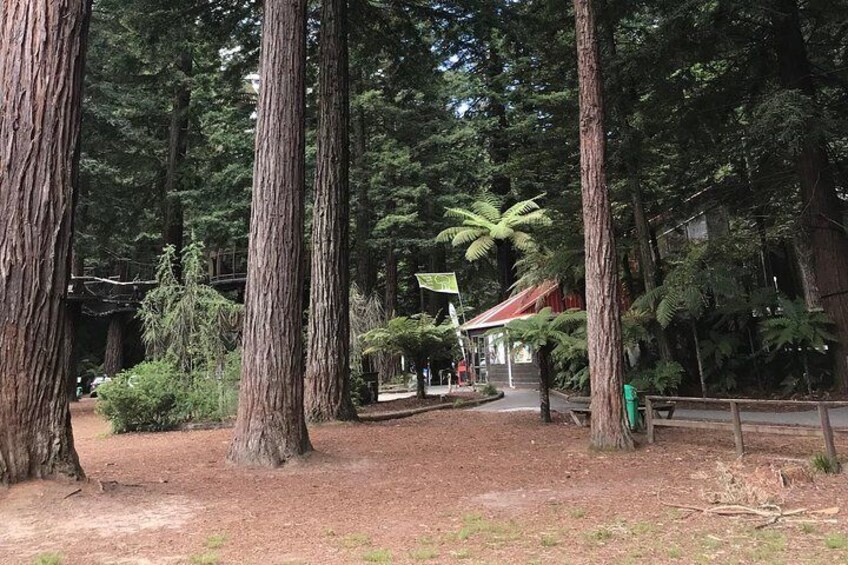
x=113, y=359
x=271, y=427
x=822, y=209
x=173, y=232
x=42, y=50
x=609, y=428
x=328, y=362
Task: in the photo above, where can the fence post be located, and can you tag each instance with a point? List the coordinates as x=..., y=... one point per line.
x=737, y=429
x=827, y=432
x=649, y=418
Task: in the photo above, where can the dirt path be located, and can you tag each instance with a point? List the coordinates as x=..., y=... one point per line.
x=445, y=487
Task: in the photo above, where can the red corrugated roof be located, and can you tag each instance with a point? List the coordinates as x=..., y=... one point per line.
x=525, y=303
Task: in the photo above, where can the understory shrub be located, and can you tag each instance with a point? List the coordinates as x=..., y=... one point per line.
x=155, y=396
x=663, y=378
x=144, y=398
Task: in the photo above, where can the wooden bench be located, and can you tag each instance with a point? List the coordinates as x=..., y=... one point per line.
x=580, y=416
x=824, y=430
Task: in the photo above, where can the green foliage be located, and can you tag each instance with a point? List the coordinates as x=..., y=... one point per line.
x=48, y=559
x=417, y=337
x=823, y=464
x=188, y=322
x=696, y=280
x=796, y=326
x=484, y=225
x=147, y=397
x=663, y=378
x=155, y=396
x=489, y=390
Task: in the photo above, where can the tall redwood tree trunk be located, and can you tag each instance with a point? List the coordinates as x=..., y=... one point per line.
x=173, y=233
x=271, y=427
x=389, y=365
x=609, y=427
x=328, y=364
x=113, y=359
x=822, y=209
x=42, y=51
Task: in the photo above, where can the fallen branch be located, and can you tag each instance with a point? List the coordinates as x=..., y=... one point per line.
x=771, y=512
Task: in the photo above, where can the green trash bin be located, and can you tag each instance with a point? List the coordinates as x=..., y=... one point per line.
x=631, y=403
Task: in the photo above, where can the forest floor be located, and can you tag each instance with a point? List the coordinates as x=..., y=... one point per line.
x=444, y=487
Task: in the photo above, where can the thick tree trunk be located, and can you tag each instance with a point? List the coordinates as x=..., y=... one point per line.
x=421, y=388
x=113, y=360
x=366, y=271
x=609, y=426
x=822, y=208
x=545, y=369
x=173, y=233
x=328, y=364
x=42, y=52
x=390, y=364
x=271, y=428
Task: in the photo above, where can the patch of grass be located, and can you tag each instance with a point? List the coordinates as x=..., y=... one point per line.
x=461, y=554
x=577, y=513
x=477, y=524
x=216, y=541
x=675, y=552
x=836, y=541
x=769, y=544
x=711, y=543
x=208, y=558
x=601, y=535
x=377, y=556
x=424, y=554
x=549, y=540
x=356, y=539
x=821, y=463
x=641, y=528
x=807, y=529
x=50, y=558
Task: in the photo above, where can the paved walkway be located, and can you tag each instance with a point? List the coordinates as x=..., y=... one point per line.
x=517, y=400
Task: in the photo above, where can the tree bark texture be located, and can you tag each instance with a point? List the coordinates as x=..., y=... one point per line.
x=270, y=427
x=42, y=52
x=543, y=357
x=113, y=359
x=609, y=427
x=328, y=363
x=366, y=271
x=177, y=151
x=390, y=364
x=822, y=209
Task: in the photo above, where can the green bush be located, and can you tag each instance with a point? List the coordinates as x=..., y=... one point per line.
x=214, y=398
x=155, y=396
x=147, y=397
x=665, y=377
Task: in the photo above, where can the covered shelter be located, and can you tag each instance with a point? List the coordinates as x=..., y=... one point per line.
x=495, y=360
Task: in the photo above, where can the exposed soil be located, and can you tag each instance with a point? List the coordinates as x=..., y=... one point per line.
x=443, y=487
x=412, y=402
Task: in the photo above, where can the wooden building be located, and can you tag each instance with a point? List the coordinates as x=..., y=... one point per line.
x=495, y=360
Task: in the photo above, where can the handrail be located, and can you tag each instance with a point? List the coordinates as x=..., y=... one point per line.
x=738, y=427
x=750, y=401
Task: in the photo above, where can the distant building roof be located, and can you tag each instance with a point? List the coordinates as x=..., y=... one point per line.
x=524, y=304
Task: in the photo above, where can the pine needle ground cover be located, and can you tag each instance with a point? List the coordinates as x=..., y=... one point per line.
x=444, y=487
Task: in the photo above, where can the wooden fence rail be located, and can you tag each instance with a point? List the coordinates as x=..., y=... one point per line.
x=824, y=430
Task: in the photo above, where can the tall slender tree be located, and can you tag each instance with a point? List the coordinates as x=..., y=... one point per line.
x=609, y=429
x=271, y=428
x=822, y=209
x=42, y=53
x=328, y=362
